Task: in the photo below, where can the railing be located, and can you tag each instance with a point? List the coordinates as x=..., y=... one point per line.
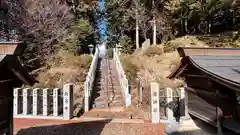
x=88, y=84
x=168, y=102
x=122, y=78
x=44, y=103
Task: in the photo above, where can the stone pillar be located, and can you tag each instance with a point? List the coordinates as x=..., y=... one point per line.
x=169, y=101
x=86, y=96
x=26, y=103
x=182, y=102
x=186, y=100
x=17, y=103
x=155, y=103
x=46, y=102
x=128, y=100
x=36, y=103
x=67, y=101
x=138, y=91
x=126, y=87
x=55, y=101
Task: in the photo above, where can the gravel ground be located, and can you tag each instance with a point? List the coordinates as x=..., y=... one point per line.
x=87, y=128
x=193, y=126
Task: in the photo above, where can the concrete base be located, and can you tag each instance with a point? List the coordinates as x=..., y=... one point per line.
x=39, y=117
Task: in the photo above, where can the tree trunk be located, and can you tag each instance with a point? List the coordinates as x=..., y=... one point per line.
x=154, y=31
x=186, y=26
x=209, y=25
x=182, y=27
x=137, y=30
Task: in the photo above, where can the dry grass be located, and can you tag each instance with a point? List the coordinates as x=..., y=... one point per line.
x=156, y=63
x=64, y=67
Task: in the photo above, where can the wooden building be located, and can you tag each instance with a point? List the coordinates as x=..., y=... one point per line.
x=12, y=75
x=212, y=82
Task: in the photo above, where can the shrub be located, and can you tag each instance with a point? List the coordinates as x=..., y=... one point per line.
x=154, y=50
x=110, y=53
x=130, y=69
x=127, y=44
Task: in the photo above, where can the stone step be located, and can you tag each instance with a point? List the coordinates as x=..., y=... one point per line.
x=115, y=120
x=111, y=109
x=99, y=99
x=114, y=103
x=107, y=114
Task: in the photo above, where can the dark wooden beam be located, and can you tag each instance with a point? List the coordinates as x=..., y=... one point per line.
x=12, y=48
x=196, y=76
x=189, y=51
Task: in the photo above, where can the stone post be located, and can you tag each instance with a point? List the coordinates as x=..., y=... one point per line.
x=182, y=102
x=186, y=100
x=169, y=101
x=155, y=103
x=45, y=102
x=17, y=103
x=55, y=101
x=36, y=103
x=26, y=103
x=86, y=96
x=68, y=101
x=138, y=90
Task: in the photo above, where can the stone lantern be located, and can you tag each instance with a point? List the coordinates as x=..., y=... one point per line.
x=91, y=48
x=119, y=48
x=13, y=75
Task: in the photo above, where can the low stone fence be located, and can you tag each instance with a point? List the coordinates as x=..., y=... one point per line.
x=44, y=103
x=122, y=78
x=88, y=84
x=167, y=104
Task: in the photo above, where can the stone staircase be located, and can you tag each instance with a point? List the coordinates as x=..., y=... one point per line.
x=107, y=101
x=107, y=92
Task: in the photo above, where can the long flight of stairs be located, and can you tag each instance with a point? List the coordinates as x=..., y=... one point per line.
x=107, y=99
x=107, y=92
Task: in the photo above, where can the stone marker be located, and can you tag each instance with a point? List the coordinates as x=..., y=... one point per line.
x=36, y=103
x=170, y=115
x=55, y=101
x=155, y=102
x=67, y=101
x=146, y=44
x=26, y=103
x=46, y=102
x=17, y=103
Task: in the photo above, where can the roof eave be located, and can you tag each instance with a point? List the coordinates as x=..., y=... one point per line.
x=179, y=69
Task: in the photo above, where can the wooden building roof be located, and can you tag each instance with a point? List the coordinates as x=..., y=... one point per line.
x=10, y=66
x=219, y=64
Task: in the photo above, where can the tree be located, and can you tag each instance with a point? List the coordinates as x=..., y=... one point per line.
x=42, y=24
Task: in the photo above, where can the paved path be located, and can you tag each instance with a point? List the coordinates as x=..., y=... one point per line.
x=75, y=127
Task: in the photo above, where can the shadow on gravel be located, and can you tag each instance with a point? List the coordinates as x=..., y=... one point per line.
x=81, y=128
x=194, y=132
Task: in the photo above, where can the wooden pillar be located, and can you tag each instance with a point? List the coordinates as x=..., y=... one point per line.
x=218, y=114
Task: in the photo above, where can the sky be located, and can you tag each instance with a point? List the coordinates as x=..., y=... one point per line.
x=102, y=24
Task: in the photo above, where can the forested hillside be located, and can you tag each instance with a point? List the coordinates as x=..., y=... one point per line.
x=189, y=23
x=45, y=25
x=174, y=18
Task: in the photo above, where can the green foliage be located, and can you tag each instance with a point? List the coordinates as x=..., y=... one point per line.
x=127, y=44
x=110, y=53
